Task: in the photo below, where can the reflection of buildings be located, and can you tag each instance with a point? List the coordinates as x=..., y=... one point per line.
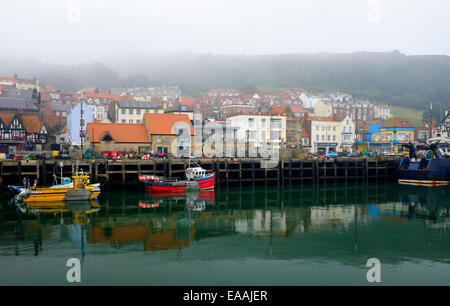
x=262, y=223
x=332, y=216
x=152, y=239
x=287, y=217
x=394, y=209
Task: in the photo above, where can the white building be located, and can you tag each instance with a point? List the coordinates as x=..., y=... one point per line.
x=382, y=111
x=100, y=110
x=347, y=135
x=309, y=100
x=327, y=134
x=255, y=133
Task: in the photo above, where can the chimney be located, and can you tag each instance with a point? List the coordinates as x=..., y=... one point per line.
x=20, y=114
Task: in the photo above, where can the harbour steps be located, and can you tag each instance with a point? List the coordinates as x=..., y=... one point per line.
x=242, y=171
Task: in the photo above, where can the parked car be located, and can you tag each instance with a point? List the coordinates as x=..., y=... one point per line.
x=354, y=154
x=331, y=154
x=386, y=153
x=366, y=153
x=321, y=153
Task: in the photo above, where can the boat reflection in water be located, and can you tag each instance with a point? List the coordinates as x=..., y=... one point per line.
x=77, y=225
x=194, y=200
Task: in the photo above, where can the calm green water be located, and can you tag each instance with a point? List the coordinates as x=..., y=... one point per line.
x=249, y=236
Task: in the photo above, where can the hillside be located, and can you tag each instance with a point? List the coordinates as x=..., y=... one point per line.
x=413, y=115
x=390, y=78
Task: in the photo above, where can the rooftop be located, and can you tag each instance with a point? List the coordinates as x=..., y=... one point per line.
x=128, y=133
x=162, y=124
x=397, y=122
x=17, y=103
x=139, y=104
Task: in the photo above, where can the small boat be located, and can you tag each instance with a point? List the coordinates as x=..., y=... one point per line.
x=79, y=190
x=196, y=179
x=426, y=171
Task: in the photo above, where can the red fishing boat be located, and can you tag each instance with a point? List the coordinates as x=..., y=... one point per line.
x=196, y=179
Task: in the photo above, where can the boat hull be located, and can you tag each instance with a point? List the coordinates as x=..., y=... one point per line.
x=204, y=183
x=436, y=172
x=62, y=194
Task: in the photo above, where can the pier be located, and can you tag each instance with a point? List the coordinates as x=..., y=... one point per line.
x=229, y=171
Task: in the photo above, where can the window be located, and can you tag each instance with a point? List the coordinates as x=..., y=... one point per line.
x=138, y=121
x=124, y=121
x=334, y=129
x=334, y=137
x=251, y=122
x=328, y=138
x=123, y=111
x=138, y=112
x=130, y=111
x=275, y=135
x=275, y=123
x=130, y=121
x=317, y=127
x=317, y=137
x=323, y=128
x=323, y=138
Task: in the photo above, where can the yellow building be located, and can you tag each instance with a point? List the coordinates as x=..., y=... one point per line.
x=162, y=133
x=109, y=137
x=27, y=86
x=170, y=133
x=132, y=111
x=323, y=109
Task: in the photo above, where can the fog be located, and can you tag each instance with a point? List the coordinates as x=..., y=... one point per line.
x=203, y=44
x=77, y=31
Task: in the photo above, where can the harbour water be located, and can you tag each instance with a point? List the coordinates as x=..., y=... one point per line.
x=291, y=235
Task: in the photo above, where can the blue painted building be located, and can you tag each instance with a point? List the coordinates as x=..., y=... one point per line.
x=73, y=122
x=387, y=137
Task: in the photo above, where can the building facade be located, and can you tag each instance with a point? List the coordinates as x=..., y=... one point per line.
x=74, y=125
x=132, y=111
x=20, y=132
x=382, y=112
x=258, y=133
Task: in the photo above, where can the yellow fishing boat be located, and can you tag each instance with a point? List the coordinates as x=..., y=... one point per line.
x=80, y=190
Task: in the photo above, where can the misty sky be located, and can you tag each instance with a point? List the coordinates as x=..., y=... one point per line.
x=76, y=31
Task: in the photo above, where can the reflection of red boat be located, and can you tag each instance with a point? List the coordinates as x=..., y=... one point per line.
x=207, y=195
x=158, y=198
x=156, y=195
x=144, y=204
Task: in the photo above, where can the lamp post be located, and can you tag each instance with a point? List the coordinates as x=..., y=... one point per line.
x=431, y=120
x=82, y=125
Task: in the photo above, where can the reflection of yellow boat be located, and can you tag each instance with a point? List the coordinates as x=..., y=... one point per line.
x=80, y=209
x=80, y=191
x=87, y=207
